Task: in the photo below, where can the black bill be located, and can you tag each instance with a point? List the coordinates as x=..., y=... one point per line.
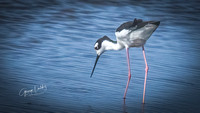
x=95, y=65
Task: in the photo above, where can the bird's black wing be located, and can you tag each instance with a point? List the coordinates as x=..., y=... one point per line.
x=137, y=23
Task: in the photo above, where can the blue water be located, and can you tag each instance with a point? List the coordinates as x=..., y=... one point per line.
x=51, y=43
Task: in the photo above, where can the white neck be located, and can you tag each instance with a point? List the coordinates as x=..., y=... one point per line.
x=112, y=46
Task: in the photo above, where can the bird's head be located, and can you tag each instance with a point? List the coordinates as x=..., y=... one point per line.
x=100, y=48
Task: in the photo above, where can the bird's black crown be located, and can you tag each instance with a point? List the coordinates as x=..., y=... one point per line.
x=99, y=42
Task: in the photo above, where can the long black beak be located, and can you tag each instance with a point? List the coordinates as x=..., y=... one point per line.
x=94, y=65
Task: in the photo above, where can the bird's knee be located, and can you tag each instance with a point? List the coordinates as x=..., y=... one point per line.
x=129, y=76
x=147, y=68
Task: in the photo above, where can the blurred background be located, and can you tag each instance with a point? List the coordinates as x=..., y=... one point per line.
x=52, y=43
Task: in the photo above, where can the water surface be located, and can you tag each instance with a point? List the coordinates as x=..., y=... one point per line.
x=51, y=43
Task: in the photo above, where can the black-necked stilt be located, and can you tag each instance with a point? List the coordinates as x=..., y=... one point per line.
x=129, y=34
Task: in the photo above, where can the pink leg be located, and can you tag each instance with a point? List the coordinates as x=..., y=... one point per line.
x=146, y=71
x=129, y=72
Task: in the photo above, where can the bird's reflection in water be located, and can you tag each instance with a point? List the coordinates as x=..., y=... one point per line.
x=124, y=106
x=125, y=110
x=142, y=108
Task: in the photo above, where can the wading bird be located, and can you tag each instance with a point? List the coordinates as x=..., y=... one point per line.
x=129, y=34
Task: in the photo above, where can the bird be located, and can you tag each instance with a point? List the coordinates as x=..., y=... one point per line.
x=129, y=34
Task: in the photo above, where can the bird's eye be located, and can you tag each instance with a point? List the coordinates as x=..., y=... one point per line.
x=96, y=46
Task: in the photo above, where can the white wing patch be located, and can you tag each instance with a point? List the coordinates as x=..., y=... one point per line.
x=122, y=33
